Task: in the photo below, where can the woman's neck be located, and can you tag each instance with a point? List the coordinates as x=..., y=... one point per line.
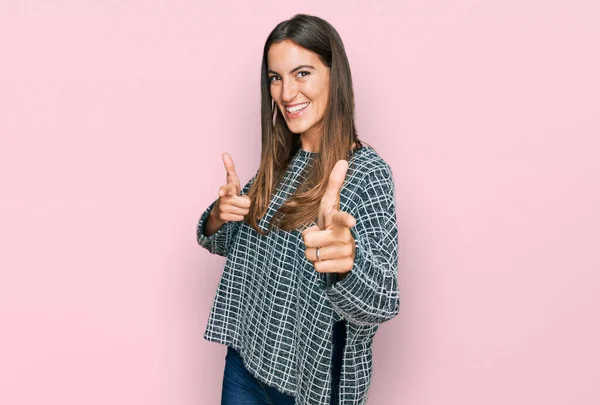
x=310, y=141
x=310, y=145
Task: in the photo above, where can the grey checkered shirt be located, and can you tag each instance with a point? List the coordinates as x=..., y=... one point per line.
x=274, y=308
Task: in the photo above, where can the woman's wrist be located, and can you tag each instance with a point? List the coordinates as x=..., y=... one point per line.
x=212, y=225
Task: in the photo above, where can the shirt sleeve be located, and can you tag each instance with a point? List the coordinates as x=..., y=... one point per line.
x=220, y=241
x=368, y=294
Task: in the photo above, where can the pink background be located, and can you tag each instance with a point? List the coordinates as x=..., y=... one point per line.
x=113, y=116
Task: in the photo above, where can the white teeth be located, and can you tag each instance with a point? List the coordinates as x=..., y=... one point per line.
x=297, y=108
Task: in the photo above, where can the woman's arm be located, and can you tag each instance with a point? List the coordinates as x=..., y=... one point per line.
x=215, y=237
x=368, y=294
x=213, y=224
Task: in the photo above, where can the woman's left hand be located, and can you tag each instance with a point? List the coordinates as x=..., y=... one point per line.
x=332, y=234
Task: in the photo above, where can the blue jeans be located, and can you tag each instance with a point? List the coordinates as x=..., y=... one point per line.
x=241, y=388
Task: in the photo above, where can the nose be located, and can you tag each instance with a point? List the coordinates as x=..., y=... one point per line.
x=288, y=90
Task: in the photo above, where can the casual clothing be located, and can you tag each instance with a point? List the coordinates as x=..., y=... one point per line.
x=240, y=387
x=278, y=312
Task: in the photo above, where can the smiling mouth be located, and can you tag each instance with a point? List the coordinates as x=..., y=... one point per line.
x=296, y=108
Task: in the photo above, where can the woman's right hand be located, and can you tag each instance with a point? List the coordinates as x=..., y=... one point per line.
x=231, y=205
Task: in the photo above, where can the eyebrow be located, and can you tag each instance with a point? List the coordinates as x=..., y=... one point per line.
x=294, y=69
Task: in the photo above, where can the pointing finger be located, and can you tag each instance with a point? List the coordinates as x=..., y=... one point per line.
x=331, y=197
x=336, y=180
x=232, y=176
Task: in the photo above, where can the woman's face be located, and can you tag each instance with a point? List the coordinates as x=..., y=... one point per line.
x=299, y=84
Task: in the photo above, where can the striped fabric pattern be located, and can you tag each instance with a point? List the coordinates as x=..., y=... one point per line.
x=276, y=310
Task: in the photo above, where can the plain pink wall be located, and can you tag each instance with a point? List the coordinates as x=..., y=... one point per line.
x=113, y=117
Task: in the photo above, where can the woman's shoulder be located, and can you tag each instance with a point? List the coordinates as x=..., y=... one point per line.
x=365, y=163
x=368, y=181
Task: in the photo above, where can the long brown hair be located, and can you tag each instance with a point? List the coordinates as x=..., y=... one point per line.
x=279, y=144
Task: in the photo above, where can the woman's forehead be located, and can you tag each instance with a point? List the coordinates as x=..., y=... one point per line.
x=286, y=55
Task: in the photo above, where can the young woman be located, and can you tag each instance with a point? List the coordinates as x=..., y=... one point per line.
x=311, y=240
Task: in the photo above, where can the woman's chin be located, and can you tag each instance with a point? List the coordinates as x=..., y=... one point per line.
x=296, y=129
x=297, y=126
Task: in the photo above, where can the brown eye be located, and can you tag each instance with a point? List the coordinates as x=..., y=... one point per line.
x=303, y=73
x=273, y=77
